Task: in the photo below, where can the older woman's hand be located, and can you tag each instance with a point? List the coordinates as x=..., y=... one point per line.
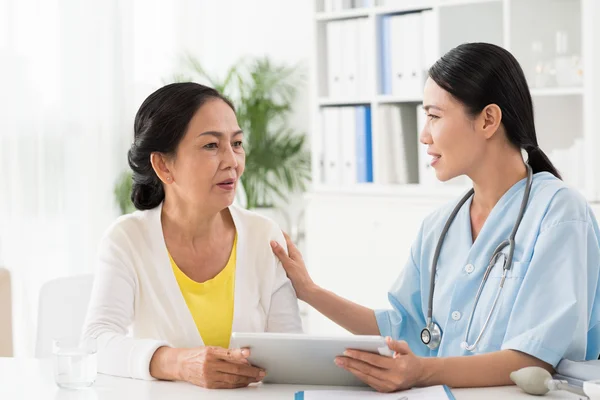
x=208, y=367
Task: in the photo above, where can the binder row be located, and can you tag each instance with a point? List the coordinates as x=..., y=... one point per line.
x=348, y=61
x=397, y=149
x=347, y=154
x=352, y=153
x=406, y=48
x=404, y=45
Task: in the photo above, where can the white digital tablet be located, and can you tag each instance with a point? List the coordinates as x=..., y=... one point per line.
x=305, y=359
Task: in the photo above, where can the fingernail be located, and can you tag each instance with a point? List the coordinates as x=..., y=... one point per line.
x=338, y=362
x=274, y=244
x=347, y=353
x=262, y=374
x=245, y=353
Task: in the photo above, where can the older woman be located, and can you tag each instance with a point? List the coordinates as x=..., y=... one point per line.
x=188, y=268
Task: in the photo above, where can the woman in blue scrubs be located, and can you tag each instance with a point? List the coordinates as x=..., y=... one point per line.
x=516, y=277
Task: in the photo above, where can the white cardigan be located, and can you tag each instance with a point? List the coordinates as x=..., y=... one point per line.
x=136, y=304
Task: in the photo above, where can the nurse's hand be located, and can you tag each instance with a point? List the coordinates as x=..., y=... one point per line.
x=384, y=374
x=294, y=267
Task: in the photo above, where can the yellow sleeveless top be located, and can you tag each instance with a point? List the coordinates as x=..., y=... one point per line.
x=211, y=302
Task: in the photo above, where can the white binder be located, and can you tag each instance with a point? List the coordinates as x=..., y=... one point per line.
x=337, y=5
x=363, y=59
x=382, y=153
x=347, y=4
x=397, y=150
x=364, y=3
x=412, y=45
x=347, y=142
x=334, y=58
x=410, y=140
x=331, y=135
x=349, y=46
x=397, y=55
x=430, y=46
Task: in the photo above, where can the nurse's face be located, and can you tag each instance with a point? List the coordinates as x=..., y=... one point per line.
x=449, y=133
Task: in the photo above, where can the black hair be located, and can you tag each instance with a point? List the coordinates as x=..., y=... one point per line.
x=480, y=74
x=160, y=125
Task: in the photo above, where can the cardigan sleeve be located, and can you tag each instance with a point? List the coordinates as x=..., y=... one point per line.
x=284, y=313
x=111, y=312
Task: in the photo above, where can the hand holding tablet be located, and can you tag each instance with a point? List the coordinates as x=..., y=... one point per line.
x=304, y=359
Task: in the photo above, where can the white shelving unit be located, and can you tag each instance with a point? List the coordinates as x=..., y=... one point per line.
x=566, y=91
x=563, y=113
x=360, y=230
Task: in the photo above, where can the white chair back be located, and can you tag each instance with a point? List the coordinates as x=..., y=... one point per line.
x=6, y=331
x=62, y=310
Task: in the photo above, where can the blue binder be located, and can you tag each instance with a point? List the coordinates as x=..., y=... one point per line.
x=364, y=145
x=385, y=79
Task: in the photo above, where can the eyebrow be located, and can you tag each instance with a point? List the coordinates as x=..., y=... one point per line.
x=219, y=134
x=431, y=106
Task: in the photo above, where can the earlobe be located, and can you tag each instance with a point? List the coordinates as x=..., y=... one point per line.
x=160, y=167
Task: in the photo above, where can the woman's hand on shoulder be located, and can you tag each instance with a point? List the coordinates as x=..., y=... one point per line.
x=294, y=266
x=215, y=367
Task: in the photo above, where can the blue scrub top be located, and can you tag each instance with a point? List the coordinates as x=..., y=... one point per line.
x=550, y=304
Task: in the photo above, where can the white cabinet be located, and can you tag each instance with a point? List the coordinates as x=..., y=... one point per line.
x=358, y=245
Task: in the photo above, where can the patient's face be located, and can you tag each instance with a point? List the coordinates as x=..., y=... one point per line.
x=210, y=158
x=449, y=133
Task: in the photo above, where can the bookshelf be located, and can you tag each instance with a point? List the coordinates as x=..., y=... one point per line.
x=359, y=234
x=529, y=28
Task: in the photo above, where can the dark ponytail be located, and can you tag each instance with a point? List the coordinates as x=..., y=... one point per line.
x=160, y=124
x=539, y=161
x=480, y=74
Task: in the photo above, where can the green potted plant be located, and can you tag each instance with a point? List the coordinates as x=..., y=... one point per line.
x=277, y=160
x=122, y=192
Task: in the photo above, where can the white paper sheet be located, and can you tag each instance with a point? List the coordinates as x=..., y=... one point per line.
x=429, y=393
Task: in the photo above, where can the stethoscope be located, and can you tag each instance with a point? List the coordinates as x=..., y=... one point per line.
x=431, y=335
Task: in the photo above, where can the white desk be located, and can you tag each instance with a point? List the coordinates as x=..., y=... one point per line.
x=25, y=379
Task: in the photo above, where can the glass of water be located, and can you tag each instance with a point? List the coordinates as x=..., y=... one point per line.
x=74, y=362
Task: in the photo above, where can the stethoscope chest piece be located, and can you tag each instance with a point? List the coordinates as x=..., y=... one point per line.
x=431, y=335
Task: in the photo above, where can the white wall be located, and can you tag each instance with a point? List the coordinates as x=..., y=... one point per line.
x=218, y=33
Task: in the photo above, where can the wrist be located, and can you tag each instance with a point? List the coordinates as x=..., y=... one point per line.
x=431, y=371
x=166, y=364
x=177, y=365
x=308, y=292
